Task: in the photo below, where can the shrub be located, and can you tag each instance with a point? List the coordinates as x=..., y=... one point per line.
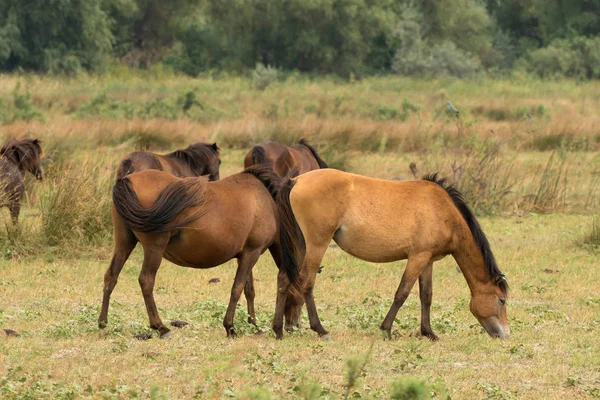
x=410, y=389
x=263, y=76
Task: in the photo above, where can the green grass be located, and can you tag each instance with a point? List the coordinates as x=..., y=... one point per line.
x=550, y=354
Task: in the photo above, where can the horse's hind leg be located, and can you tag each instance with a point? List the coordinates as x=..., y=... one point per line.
x=125, y=242
x=294, y=300
x=249, y=293
x=417, y=263
x=426, y=294
x=153, y=253
x=313, y=258
x=246, y=262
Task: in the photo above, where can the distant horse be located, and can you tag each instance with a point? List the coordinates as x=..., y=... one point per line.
x=384, y=221
x=197, y=160
x=194, y=223
x=16, y=158
x=283, y=159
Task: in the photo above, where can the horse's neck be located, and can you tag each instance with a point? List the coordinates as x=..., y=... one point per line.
x=471, y=263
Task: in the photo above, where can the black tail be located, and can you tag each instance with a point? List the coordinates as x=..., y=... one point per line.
x=172, y=201
x=290, y=236
x=125, y=168
x=259, y=156
x=267, y=176
x=478, y=235
x=322, y=164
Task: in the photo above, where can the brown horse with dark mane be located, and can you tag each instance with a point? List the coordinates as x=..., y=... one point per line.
x=16, y=158
x=285, y=160
x=194, y=223
x=197, y=160
x=384, y=221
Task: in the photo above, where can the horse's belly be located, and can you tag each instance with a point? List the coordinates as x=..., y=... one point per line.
x=371, y=245
x=201, y=254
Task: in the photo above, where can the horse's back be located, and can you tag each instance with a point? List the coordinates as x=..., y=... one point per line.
x=241, y=215
x=373, y=219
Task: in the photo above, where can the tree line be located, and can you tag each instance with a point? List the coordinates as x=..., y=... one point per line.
x=550, y=38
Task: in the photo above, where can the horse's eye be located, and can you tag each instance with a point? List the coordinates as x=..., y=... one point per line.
x=502, y=301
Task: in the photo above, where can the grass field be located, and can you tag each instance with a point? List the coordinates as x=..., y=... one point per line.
x=535, y=184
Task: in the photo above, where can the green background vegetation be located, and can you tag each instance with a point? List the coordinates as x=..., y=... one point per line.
x=547, y=38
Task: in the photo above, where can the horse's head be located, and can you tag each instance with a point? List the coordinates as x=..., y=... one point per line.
x=207, y=158
x=26, y=154
x=488, y=305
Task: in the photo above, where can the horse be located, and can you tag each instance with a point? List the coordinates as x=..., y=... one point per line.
x=194, y=223
x=196, y=160
x=285, y=160
x=383, y=221
x=16, y=158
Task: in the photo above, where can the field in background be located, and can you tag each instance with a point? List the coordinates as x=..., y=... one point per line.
x=526, y=155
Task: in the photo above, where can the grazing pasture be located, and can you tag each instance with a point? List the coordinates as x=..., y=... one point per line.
x=525, y=154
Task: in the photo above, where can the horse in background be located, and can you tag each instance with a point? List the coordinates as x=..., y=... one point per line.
x=385, y=221
x=16, y=158
x=285, y=160
x=197, y=160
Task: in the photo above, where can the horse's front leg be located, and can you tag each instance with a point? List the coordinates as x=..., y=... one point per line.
x=417, y=263
x=246, y=262
x=426, y=294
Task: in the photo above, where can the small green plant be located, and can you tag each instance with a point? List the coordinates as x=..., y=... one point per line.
x=355, y=369
x=263, y=76
x=410, y=389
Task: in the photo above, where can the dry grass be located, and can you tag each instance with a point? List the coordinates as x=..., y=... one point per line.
x=52, y=266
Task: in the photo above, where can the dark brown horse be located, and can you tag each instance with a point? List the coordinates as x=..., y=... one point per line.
x=194, y=223
x=197, y=160
x=384, y=221
x=285, y=160
x=16, y=158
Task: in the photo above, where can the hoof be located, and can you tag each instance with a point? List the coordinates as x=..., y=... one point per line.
x=385, y=334
x=102, y=324
x=231, y=333
x=252, y=320
x=326, y=337
x=143, y=336
x=166, y=335
x=178, y=324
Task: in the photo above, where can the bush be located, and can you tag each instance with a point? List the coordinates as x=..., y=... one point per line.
x=576, y=58
x=410, y=389
x=263, y=76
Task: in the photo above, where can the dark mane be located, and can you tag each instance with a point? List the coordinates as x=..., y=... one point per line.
x=21, y=152
x=478, y=235
x=268, y=177
x=259, y=156
x=322, y=164
x=197, y=156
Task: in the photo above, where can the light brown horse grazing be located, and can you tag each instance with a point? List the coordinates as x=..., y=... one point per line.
x=16, y=158
x=196, y=160
x=285, y=160
x=193, y=223
x=383, y=221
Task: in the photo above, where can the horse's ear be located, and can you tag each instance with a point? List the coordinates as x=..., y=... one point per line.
x=215, y=147
x=37, y=141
